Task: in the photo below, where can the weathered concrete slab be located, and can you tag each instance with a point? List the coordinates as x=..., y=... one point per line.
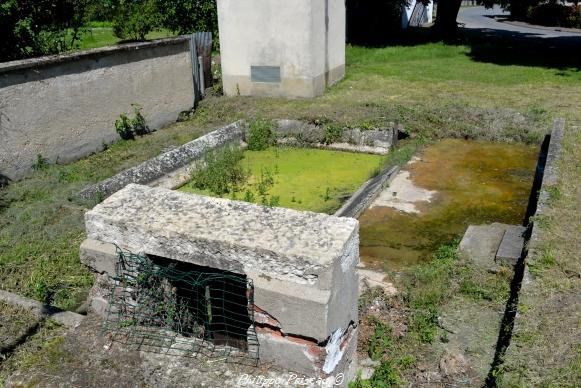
x=369, y=279
x=99, y=256
x=480, y=242
x=402, y=194
x=366, y=194
x=511, y=246
x=230, y=235
x=67, y=318
x=373, y=141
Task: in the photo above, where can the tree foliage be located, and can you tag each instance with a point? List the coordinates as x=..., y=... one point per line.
x=187, y=16
x=373, y=22
x=40, y=27
x=134, y=19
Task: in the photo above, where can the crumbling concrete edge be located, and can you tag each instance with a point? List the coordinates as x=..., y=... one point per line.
x=67, y=318
x=550, y=177
x=549, y=180
x=376, y=141
x=366, y=194
x=165, y=163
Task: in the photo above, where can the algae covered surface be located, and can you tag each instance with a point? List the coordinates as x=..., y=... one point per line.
x=476, y=182
x=304, y=179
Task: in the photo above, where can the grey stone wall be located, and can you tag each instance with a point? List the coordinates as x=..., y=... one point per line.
x=375, y=141
x=64, y=107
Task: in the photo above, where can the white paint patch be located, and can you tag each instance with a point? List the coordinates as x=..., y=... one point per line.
x=402, y=194
x=334, y=351
x=372, y=279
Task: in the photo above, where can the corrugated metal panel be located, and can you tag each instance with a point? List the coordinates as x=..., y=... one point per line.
x=419, y=15
x=204, y=48
x=269, y=74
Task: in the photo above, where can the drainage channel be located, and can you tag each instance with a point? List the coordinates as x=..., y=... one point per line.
x=548, y=155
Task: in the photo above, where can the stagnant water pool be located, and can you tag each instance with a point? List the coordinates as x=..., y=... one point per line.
x=452, y=184
x=448, y=186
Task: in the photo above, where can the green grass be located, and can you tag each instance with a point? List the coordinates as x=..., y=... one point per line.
x=434, y=90
x=41, y=224
x=306, y=179
x=101, y=35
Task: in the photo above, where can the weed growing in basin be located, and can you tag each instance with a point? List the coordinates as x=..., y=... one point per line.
x=223, y=172
x=380, y=341
x=260, y=135
x=429, y=286
x=333, y=133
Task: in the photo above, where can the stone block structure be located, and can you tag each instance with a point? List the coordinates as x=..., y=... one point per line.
x=302, y=265
x=286, y=48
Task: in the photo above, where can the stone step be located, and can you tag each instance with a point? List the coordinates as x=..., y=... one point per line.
x=511, y=245
x=482, y=243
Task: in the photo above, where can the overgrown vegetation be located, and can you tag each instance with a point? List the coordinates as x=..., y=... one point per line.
x=31, y=28
x=128, y=128
x=34, y=28
x=286, y=177
x=434, y=90
x=260, y=135
x=427, y=292
x=222, y=172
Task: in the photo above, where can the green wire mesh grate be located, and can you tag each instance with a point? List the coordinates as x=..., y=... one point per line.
x=160, y=306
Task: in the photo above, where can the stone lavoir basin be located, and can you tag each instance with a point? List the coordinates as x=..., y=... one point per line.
x=450, y=185
x=318, y=180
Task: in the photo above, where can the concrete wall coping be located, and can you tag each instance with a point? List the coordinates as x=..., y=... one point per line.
x=31, y=63
x=166, y=162
x=192, y=227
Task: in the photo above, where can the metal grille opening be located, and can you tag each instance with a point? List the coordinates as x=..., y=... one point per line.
x=164, y=306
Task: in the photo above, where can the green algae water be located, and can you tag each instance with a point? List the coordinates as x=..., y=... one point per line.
x=476, y=183
x=306, y=179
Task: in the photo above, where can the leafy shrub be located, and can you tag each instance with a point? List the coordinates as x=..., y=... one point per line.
x=223, y=172
x=380, y=340
x=138, y=125
x=554, y=14
x=127, y=128
x=31, y=28
x=333, y=133
x=123, y=127
x=187, y=16
x=134, y=19
x=260, y=135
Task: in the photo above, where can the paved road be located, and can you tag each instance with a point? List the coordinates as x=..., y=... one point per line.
x=481, y=19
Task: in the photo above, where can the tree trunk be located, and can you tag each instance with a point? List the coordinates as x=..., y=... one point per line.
x=447, y=12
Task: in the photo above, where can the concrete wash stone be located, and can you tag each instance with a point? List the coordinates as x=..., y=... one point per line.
x=511, y=246
x=303, y=264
